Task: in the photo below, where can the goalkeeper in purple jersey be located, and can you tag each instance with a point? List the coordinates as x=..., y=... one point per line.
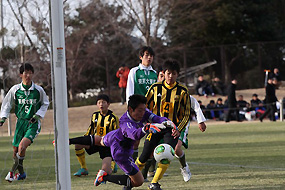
x=132, y=127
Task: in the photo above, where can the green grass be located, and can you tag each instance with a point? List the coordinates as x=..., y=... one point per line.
x=232, y=156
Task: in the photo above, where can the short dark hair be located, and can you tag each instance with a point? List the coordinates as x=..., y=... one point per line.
x=103, y=97
x=220, y=99
x=144, y=49
x=26, y=67
x=135, y=100
x=255, y=95
x=171, y=65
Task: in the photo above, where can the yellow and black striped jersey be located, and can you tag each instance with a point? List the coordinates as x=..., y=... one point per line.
x=101, y=125
x=171, y=101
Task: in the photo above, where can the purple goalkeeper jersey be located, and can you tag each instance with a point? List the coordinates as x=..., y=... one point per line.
x=129, y=131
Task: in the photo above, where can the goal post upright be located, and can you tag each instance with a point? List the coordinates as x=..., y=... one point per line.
x=59, y=92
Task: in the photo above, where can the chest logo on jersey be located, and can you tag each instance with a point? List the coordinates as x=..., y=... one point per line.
x=146, y=81
x=27, y=101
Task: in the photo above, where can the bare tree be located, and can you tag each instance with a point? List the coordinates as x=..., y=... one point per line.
x=150, y=17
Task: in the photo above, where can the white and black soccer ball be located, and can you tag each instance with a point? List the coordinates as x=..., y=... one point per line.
x=163, y=151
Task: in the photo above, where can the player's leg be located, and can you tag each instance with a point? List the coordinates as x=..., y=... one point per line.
x=80, y=155
x=105, y=155
x=179, y=153
x=164, y=164
x=87, y=140
x=151, y=141
x=136, y=149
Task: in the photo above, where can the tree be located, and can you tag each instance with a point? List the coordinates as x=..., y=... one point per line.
x=230, y=25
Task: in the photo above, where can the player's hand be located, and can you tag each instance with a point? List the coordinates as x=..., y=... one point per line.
x=202, y=126
x=153, y=128
x=175, y=133
x=169, y=123
x=34, y=119
x=2, y=121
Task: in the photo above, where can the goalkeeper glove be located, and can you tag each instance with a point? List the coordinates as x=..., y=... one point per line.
x=170, y=124
x=34, y=119
x=2, y=121
x=153, y=128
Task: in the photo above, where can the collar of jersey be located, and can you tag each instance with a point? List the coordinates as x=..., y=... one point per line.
x=141, y=66
x=169, y=86
x=31, y=88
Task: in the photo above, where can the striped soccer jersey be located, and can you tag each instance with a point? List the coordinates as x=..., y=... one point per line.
x=101, y=125
x=171, y=101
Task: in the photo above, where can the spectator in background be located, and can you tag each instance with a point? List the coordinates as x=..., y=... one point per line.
x=122, y=74
x=202, y=107
x=203, y=88
x=220, y=109
x=232, y=102
x=241, y=103
x=218, y=86
x=256, y=105
x=276, y=75
x=270, y=100
x=210, y=113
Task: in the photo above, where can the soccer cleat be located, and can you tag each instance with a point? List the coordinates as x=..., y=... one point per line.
x=186, y=173
x=20, y=176
x=80, y=172
x=9, y=177
x=99, y=179
x=154, y=186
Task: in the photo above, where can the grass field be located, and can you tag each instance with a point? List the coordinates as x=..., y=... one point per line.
x=246, y=155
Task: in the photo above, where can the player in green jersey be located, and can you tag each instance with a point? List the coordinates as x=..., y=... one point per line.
x=31, y=104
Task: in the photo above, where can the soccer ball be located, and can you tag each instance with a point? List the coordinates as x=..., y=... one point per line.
x=163, y=151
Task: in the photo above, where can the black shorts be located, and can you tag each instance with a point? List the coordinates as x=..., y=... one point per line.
x=103, y=151
x=152, y=140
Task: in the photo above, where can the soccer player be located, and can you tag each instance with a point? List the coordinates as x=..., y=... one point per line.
x=102, y=122
x=169, y=99
x=121, y=142
x=140, y=78
x=31, y=104
x=183, y=140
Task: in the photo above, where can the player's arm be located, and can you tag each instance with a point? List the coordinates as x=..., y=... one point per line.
x=130, y=89
x=7, y=103
x=185, y=112
x=44, y=103
x=150, y=97
x=199, y=114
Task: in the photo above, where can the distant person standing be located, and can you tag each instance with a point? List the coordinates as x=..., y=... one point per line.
x=232, y=101
x=140, y=79
x=142, y=76
x=122, y=74
x=276, y=75
x=270, y=100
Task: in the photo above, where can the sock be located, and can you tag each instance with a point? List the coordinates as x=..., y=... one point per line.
x=139, y=164
x=119, y=179
x=182, y=160
x=84, y=140
x=135, y=154
x=159, y=172
x=15, y=165
x=80, y=154
x=146, y=168
x=18, y=164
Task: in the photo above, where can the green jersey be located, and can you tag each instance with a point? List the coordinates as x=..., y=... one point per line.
x=139, y=80
x=27, y=102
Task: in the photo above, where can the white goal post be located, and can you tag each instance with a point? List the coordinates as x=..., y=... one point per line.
x=59, y=93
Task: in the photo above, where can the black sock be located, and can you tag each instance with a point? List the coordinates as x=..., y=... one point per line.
x=84, y=140
x=182, y=160
x=119, y=179
x=15, y=165
x=146, y=168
